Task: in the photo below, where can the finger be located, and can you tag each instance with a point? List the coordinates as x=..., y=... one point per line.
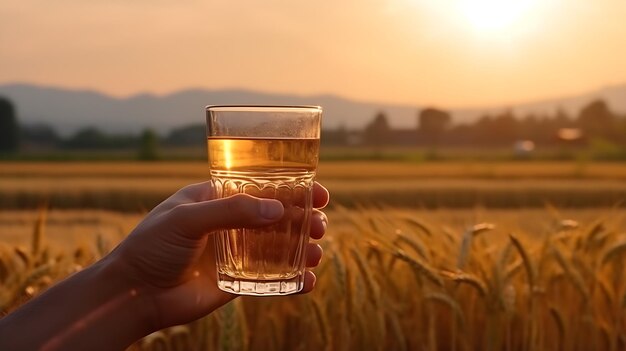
x=313, y=255
x=191, y=193
x=309, y=282
x=198, y=192
x=318, y=196
x=321, y=197
x=319, y=223
x=238, y=211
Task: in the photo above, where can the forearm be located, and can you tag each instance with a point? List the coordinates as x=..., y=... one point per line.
x=91, y=310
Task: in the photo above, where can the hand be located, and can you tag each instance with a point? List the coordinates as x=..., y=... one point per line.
x=170, y=257
x=162, y=274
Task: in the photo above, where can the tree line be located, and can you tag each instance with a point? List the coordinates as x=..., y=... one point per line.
x=594, y=122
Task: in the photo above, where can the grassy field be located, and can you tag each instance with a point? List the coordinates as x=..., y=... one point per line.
x=419, y=256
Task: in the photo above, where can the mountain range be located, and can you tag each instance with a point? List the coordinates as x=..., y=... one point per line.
x=68, y=110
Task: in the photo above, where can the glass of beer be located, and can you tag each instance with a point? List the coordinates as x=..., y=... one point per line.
x=268, y=152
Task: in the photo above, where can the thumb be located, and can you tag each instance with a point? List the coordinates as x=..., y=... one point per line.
x=238, y=211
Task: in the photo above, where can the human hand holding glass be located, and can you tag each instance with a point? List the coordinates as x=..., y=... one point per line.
x=171, y=255
x=161, y=275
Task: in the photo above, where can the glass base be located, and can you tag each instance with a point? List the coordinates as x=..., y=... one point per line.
x=260, y=287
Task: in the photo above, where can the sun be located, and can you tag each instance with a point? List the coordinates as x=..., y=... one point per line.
x=497, y=15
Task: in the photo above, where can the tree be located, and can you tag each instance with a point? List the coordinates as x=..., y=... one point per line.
x=9, y=130
x=39, y=134
x=93, y=138
x=191, y=135
x=337, y=136
x=433, y=124
x=148, y=150
x=87, y=138
x=378, y=132
x=597, y=120
x=504, y=129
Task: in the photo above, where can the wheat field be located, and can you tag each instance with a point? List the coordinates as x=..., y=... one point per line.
x=136, y=187
x=437, y=256
x=391, y=279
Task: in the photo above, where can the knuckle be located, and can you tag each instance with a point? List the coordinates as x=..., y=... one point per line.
x=240, y=204
x=178, y=210
x=196, y=191
x=186, y=190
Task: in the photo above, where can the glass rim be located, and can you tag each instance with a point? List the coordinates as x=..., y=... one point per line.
x=253, y=107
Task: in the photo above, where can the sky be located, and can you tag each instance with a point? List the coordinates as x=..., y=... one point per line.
x=452, y=53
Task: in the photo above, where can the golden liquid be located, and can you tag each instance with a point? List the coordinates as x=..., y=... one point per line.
x=275, y=155
x=282, y=169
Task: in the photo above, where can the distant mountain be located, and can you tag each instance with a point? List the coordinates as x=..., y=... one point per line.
x=69, y=110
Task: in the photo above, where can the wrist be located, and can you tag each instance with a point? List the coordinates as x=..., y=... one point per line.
x=128, y=303
x=94, y=309
x=107, y=313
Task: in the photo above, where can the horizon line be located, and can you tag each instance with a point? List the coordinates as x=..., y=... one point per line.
x=495, y=106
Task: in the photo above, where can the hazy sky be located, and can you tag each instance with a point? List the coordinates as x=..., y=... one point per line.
x=453, y=53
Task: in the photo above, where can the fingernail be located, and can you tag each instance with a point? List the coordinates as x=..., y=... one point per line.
x=271, y=209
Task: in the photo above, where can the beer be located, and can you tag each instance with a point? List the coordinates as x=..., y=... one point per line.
x=264, y=259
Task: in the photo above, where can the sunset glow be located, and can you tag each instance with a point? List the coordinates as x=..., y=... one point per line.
x=459, y=53
x=497, y=15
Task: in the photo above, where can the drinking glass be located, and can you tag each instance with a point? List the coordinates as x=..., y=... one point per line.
x=268, y=152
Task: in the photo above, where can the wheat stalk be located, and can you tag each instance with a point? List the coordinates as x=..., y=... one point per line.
x=450, y=302
x=607, y=289
x=415, y=244
x=101, y=245
x=613, y=252
x=230, y=335
x=469, y=279
x=595, y=230
x=322, y=323
x=340, y=273
x=397, y=332
x=419, y=267
x=156, y=341
x=180, y=338
x=370, y=283
x=531, y=271
x=466, y=242
x=34, y=276
x=532, y=285
x=23, y=256
x=419, y=225
x=560, y=324
x=275, y=338
x=38, y=232
x=568, y=224
x=375, y=252
x=571, y=272
x=5, y=267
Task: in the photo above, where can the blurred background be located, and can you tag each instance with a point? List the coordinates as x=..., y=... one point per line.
x=448, y=89
x=444, y=117
x=95, y=76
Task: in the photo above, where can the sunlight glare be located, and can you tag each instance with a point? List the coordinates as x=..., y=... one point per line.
x=496, y=15
x=228, y=155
